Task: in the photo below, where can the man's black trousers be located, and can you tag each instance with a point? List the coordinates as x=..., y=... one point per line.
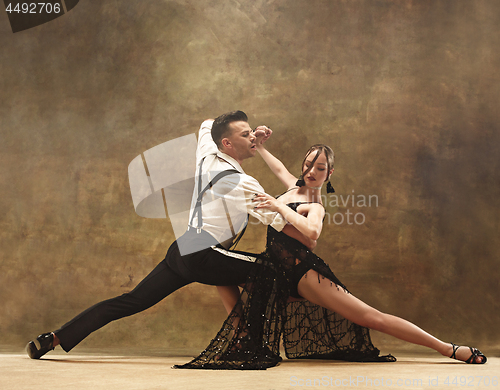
x=207, y=266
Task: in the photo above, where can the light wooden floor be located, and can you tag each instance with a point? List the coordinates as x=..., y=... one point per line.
x=94, y=370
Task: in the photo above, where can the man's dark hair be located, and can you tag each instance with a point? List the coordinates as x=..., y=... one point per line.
x=220, y=128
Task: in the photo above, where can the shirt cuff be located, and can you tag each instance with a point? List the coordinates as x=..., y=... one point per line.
x=207, y=123
x=279, y=222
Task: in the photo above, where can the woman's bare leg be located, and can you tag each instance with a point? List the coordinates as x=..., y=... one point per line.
x=322, y=292
x=229, y=296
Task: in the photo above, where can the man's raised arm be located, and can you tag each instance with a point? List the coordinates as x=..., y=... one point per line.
x=206, y=144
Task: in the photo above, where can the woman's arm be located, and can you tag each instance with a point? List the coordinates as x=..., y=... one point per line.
x=309, y=225
x=289, y=230
x=276, y=166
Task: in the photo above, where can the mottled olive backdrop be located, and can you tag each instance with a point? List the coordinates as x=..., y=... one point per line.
x=406, y=92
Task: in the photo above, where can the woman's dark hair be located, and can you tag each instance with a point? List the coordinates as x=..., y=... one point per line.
x=319, y=148
x=220, y=128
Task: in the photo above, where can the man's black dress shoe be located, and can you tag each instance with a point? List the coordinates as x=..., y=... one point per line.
x=39, y=347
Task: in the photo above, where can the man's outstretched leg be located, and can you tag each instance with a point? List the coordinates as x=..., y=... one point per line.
x=161, y=282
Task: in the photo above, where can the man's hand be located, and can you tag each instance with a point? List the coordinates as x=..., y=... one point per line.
x=262, y=133
x=266, y=201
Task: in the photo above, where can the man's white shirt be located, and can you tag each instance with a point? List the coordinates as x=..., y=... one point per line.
x=225, y=207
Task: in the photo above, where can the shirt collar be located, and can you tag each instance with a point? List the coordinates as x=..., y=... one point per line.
x=230, y=160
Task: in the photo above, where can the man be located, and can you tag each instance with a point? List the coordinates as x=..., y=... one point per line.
x=222, y=200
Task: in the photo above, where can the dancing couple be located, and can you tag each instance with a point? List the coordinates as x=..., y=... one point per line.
x=288, y=292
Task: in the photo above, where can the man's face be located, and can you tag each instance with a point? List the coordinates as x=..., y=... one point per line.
x=241, y=142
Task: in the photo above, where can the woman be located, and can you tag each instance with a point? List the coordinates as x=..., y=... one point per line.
x=330, y=323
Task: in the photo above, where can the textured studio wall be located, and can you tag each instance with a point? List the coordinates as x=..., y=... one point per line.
x=406, y=92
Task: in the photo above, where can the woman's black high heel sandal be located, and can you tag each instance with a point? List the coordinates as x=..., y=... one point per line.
x=474, y=354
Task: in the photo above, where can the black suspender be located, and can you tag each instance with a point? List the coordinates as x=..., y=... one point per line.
x=197, y=207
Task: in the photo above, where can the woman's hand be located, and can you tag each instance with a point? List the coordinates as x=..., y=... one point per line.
x=262, y=133
x=266, y=202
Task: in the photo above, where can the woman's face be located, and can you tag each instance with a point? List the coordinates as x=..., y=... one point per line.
x=318, y=174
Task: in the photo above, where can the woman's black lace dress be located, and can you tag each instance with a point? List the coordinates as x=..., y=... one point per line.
x=250, y=337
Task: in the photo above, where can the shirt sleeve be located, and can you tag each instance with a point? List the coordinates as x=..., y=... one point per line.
x=251, y=187
x=206, y=144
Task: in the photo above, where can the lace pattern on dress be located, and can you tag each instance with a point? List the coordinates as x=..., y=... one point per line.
x=250, y=337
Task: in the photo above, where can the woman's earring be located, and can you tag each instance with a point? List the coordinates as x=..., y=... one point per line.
x=329, y=188
x=300, y=182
